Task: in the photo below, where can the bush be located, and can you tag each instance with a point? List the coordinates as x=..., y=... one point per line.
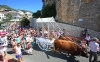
x=25, y=22
x=37, y=14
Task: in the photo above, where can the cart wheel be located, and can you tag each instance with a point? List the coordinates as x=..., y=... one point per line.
x=43, y=46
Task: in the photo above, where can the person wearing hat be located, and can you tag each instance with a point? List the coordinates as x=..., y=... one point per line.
x=94, y=47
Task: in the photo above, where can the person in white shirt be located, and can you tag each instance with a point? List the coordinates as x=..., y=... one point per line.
x=87, y=38
x=18, y=52
x=3, y=46
x=29, y=38
x=94, y=47
x=6, y=43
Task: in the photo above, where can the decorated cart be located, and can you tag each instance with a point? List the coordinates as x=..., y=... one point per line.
x=45, y=41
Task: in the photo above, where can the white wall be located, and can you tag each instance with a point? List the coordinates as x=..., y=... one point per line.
x=70, y=30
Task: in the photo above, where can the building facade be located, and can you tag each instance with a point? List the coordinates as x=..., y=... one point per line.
x=2, y=16
x=16, y=15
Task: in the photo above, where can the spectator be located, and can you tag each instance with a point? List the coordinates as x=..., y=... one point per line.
x=64, y=32
x=23, y=44
x=29, y=38
x=18, y=39
x=14, y=43
x=87, y=38
x=29, y=48
x=18, y=52
x=3, y=45
x=85, y=31
x=82, y=35
x=94, y=47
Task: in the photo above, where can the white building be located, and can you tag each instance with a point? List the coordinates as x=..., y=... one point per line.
x=16, y=16
x=28, y=14
x=2, y=16
x=21, y=12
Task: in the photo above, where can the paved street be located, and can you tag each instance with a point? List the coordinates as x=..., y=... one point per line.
x=48, y=56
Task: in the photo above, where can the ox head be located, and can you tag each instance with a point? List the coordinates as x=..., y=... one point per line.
x=84, y=52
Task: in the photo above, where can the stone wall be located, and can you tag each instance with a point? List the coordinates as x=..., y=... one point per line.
x=83, y=13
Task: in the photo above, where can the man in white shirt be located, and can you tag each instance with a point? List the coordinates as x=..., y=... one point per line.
x=94, y=47
x=87, y=38
x=3, y=45
x=6, y=44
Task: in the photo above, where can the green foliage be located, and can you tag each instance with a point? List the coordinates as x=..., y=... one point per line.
x=49, y=10
x=5, y=7
x=42, y=0
x=5, y=21
x=9, y=16
x=26, y=11
x=9, y=8
x=25, y=22
x=37, y=14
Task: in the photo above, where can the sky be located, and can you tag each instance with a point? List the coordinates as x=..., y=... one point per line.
x=31, y=5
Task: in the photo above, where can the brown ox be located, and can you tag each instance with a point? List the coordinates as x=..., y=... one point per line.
x=69, y=38
x=71, y=47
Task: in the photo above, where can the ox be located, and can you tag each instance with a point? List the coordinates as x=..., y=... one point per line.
x=71, y=47
x=73, y=39
x=69, y=38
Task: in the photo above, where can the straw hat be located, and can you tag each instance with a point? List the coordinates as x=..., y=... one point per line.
x=94, y=39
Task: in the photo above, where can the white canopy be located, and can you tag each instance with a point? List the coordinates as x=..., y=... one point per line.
x=45, y=20
x=50, y=22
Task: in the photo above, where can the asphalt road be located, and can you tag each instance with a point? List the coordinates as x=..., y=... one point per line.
x=49, y=56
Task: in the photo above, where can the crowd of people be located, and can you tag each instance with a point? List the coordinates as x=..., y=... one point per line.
x=91, y=43
x=24, y=38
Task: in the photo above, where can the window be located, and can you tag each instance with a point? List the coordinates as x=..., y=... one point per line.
x=4, y=14
x=14, y=17
x=29, y=14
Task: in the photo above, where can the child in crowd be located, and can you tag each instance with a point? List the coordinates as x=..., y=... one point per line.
x=18, y=52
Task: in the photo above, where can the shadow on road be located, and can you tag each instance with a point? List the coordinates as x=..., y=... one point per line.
x=62, y=56
x=23, y=52
x=36, y=47
x=57, y=55
x=10, y=52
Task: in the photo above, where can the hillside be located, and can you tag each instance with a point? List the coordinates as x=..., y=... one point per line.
x=5, y=7
x=9, y=8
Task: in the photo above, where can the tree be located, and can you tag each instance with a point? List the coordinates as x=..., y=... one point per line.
x=37, y=14
x=9, y=16
x=42, y=0
x=49, y=10
x=25, y=22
